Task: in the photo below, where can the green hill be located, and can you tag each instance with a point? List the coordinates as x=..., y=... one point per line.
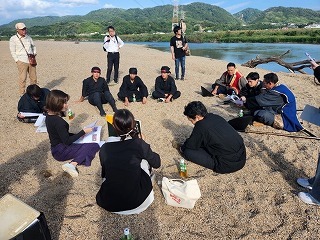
x=199, y=17
x=248, y=15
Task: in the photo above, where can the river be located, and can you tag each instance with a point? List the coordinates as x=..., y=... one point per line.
x=242, y=52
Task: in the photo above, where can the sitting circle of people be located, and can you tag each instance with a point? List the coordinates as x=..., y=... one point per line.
x=127, y=161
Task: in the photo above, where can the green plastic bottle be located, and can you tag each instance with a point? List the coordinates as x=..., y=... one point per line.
x=126, y=235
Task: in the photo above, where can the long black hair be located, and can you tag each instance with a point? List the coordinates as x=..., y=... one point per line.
x=124, y=124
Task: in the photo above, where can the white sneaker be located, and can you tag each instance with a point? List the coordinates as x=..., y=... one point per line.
x=303, y=182
x=71, y=169
x=307, y=198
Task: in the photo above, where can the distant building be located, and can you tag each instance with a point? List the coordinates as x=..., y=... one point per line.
x=315, y=25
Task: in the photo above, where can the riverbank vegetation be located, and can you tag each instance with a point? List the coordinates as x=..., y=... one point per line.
x=310, y=36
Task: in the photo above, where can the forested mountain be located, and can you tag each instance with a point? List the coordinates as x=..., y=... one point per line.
x=279, y=15
x=198, y=16
x=248, y=15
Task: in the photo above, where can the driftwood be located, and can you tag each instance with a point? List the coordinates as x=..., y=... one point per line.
x=292, y=67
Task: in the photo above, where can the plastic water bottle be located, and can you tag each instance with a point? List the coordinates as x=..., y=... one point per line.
x=70, y=114
x=126, y=235
x=241, y=113
x=134, y=98
x=183, y=168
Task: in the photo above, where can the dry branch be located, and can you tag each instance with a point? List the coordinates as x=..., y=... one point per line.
x=292, y=67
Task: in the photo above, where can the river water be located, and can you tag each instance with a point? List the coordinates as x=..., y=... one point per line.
x=242, y=52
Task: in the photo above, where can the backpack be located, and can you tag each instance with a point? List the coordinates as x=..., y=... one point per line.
x=104, y=49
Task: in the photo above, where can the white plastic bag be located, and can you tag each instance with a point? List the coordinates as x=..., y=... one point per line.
x=180, y=193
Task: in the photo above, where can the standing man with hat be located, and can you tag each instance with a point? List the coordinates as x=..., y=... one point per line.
x=165, y=86
x=21, y=45
x=178, y=45
x=132, y=88
x=112, y=44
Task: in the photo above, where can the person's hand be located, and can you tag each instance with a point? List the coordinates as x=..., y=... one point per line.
x=126, y=102
x=166, y=95
x=243, y=99
x=144, y=100
x=20, y=115
x=173, y=58
x=314, y=65
x=214, y=92
x=168, y=99
x=88, y=130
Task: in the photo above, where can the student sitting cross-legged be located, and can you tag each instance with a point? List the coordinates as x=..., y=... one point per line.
x=62, y=143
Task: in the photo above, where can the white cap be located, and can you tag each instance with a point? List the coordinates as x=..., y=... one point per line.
x=20, y=25
x=126, y=231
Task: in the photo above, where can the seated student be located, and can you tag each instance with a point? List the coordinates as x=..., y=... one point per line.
x=133, y=88
x=61, y=140
x=230, y=81
x=126, y=163
x=97, y=90
x=252, y=88
x=316, y=70
x=33, y=101
x=165, y=86
x=277, y=105
x=213, y=143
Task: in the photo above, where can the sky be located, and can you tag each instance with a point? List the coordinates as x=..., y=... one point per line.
x=11, y=10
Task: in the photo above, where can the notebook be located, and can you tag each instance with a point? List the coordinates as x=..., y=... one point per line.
x=15, y=216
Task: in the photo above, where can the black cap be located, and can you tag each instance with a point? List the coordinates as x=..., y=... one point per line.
x=95, y=69
x=133, y=70
x=165, y=69
x=176, y=29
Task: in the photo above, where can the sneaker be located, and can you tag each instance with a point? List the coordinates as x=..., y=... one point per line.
x=307, y=198
x=303, y=182
x=71, y=169
x=161, y=99
x=103, y=114
x=176, y=78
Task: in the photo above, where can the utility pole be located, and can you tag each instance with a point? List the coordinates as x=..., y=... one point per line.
x=175, y=15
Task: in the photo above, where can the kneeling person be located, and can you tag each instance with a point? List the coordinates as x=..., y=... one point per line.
x=132, y=88
x=213, y=143
x=33, y=101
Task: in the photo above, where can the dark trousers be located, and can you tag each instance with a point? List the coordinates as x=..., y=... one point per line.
x=139, y=95
x=113, y=60
x=157, y=95
x=99, y=98
x=200, y=157
x=223, y=89
x=83, y=153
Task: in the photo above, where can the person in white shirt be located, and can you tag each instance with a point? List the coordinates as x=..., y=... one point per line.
x=21, y=45
x=112, y=44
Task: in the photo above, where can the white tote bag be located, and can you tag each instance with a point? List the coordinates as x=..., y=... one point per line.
x=180, y=193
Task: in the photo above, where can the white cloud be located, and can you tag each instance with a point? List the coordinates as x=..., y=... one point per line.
x=237, y=6
x=108, y=6
x=80, y=2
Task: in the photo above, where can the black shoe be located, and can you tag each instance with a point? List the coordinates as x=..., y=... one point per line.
x=182, y=78
x=176, y=79
x=103, y=114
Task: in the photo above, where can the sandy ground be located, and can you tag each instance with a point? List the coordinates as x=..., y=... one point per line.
x=257, y=202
